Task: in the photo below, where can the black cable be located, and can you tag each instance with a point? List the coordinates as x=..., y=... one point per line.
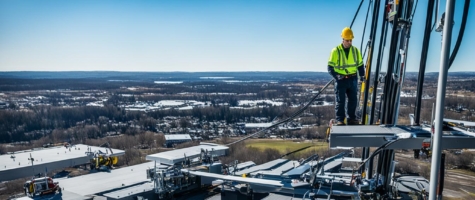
x=377, y=151
x=393, y=65
x=361, y=47
x=404, y=25
x=356, y=14
x=423, y=62
x=415, y=8
x=425, y=49
x=402, y=66
x=374, y=27
x=389, y=82
x=382, y=41
x=297, y=113
x=370, y=45
x=461, y=32
x=364, y=29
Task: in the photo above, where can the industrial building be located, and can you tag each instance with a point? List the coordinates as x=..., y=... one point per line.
x=128, y=182
x=29, y=163
x=171, y=140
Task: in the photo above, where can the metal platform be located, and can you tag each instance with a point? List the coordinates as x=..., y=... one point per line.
x=18, y=165
x=408, y=137
x=259, y=185
x=242, y=166
x=271, y=196
x=265, y=166
x=298, y=171
x=178, y=155
x=465, y=123
x=276, y=172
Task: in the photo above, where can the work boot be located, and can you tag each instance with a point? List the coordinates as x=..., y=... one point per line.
x=340, y=123
x=353, y=122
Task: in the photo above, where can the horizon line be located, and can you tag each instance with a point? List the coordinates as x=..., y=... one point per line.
x=191, y=71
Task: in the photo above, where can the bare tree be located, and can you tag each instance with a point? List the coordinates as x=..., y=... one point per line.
x=3, y=150
x=184, y=123
x=59, y=135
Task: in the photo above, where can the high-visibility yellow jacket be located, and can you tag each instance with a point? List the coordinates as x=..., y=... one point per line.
x=342, y=64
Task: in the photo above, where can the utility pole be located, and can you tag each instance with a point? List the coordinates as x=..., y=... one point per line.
x=439, y=113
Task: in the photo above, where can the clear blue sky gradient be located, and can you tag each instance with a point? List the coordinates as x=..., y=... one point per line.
x=195, y=35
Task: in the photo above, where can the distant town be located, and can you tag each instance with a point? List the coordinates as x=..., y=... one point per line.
x=202, y=105
x=141, y=114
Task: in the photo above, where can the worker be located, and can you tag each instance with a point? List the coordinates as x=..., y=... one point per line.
x=344, y=65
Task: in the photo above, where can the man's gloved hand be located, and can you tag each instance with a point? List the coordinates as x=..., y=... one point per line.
x=338, y=77
x=362, y=78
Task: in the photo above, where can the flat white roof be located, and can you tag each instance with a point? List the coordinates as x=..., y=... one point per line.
x=350, y=159
x=170, y=103
x=178, y=155
x=178, y=137
x=121, y=183
x=65, y=195
x=105, y=181
x=49, y=155
x=130, y=191
x=258, y=125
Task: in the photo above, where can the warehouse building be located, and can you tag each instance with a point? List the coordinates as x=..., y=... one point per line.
x=171, y=140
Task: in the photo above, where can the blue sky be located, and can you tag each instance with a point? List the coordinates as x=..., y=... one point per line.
x=195, y=35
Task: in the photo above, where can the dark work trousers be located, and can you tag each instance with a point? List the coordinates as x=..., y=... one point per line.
x=347, y=87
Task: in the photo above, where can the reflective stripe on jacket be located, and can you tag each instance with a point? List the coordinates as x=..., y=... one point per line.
x=343, y=65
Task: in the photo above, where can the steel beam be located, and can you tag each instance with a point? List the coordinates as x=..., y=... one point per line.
x=439, y=113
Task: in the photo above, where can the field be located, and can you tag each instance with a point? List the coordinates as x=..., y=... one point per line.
x=286, y=146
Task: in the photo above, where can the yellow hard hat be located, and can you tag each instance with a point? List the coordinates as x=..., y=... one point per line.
x=347, y=34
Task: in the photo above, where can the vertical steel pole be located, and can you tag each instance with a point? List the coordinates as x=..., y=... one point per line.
x=440, y=187
x=439, y=113
x=155, y=178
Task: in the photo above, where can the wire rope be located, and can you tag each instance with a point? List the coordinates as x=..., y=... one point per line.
x=294, y=115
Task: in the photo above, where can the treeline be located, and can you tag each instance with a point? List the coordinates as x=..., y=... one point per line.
x=248, y=84
x=209, y=91
x=14, y=125
x=459, y=108
x=468, y=85
x=12, y=84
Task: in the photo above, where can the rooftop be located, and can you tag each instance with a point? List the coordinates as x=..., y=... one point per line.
x=45, y=159
x=120, y=183
x=178, y=155
x=100, y=182
x=178, y=137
